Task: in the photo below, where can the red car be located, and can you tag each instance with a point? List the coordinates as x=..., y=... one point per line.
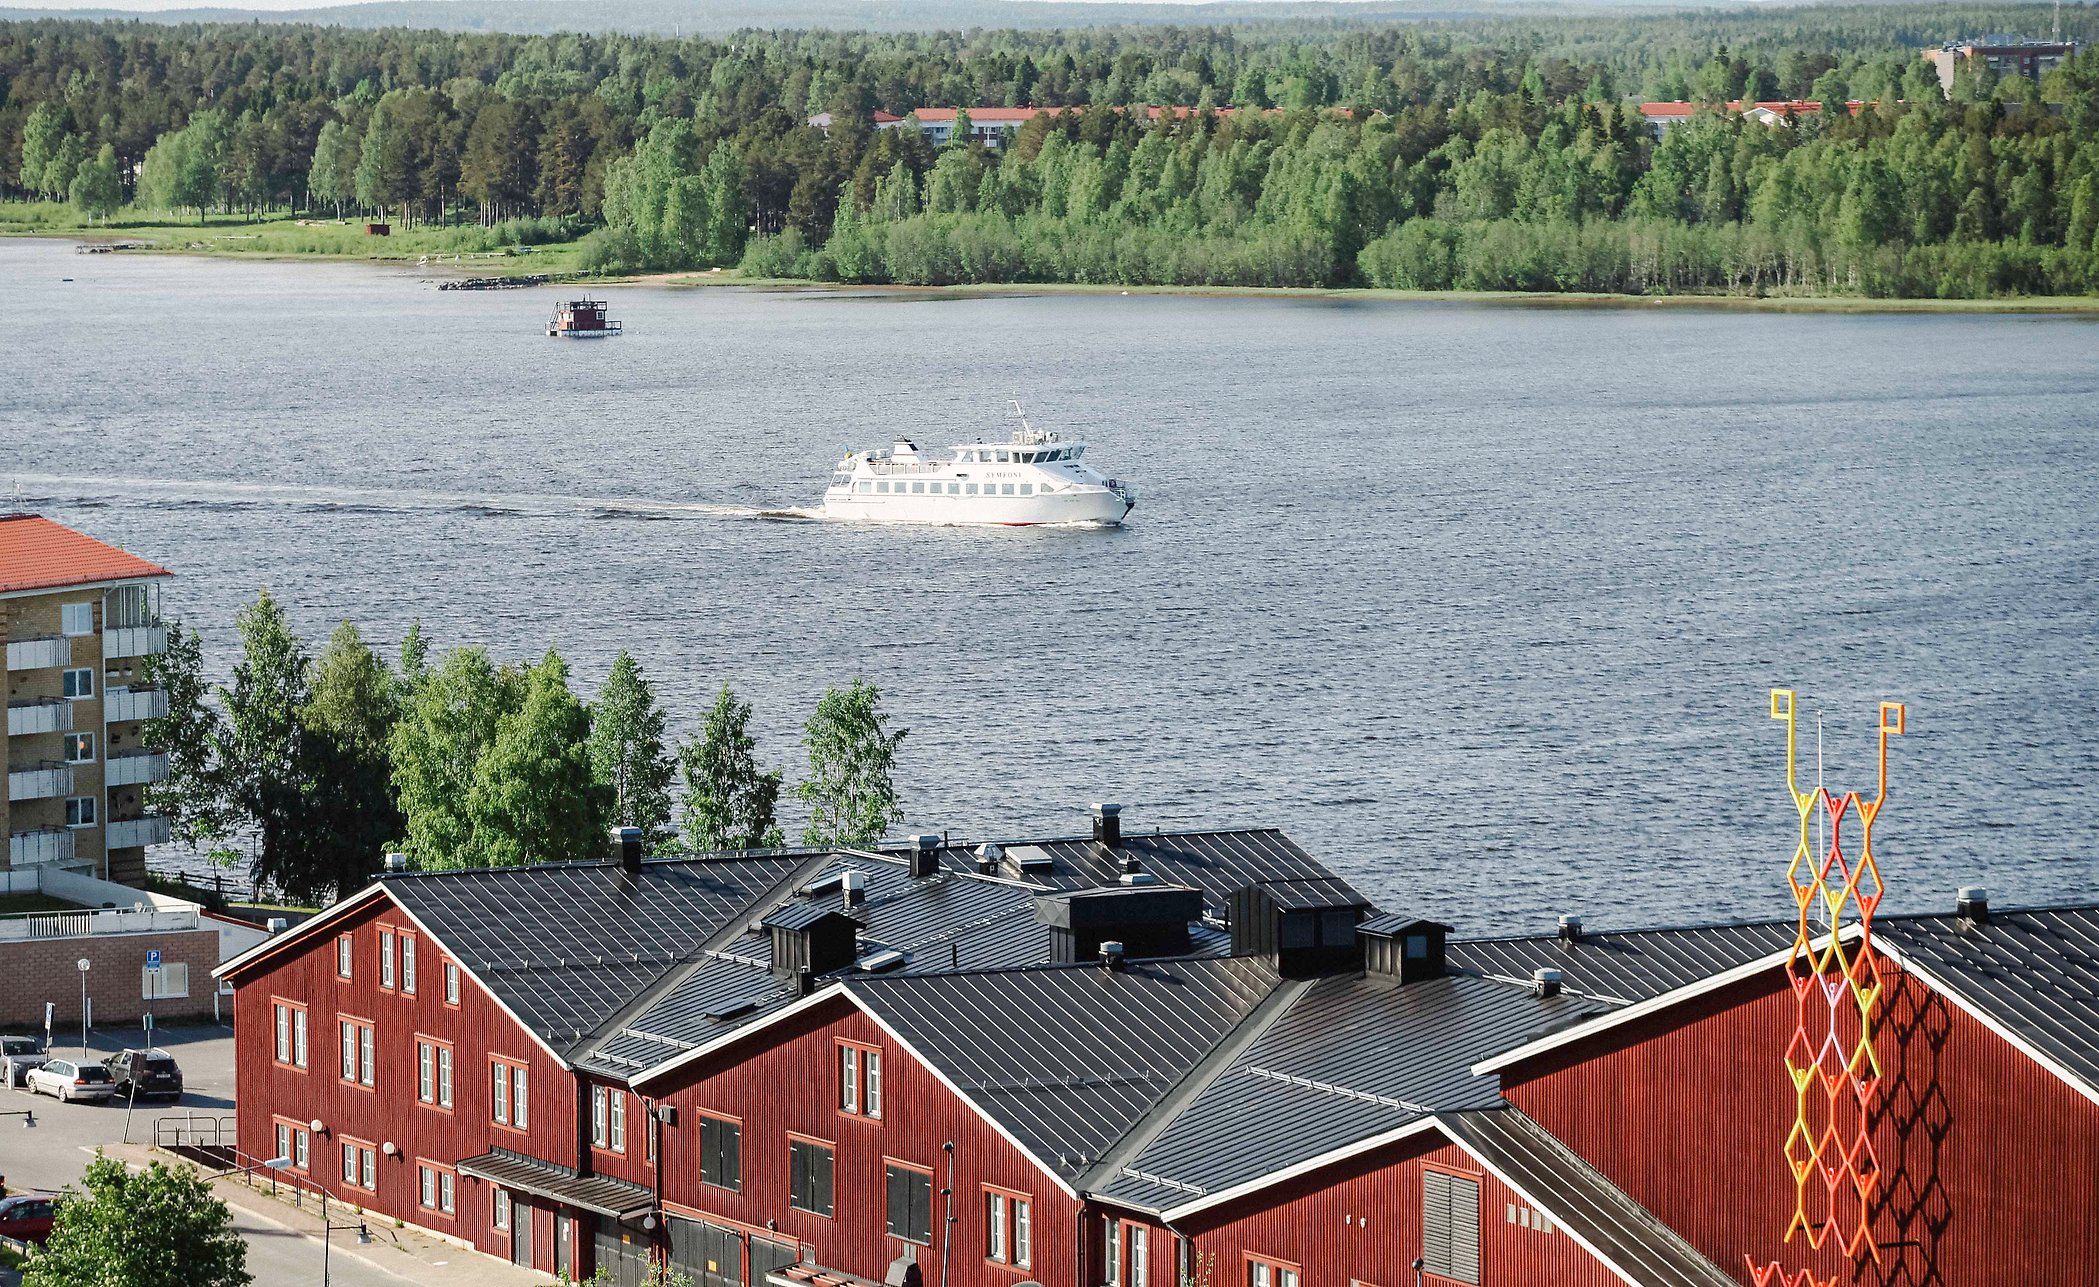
x=26, y=1218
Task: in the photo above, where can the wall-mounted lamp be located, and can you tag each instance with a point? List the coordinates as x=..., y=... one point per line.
x=317, y=1126
x=388, y=1148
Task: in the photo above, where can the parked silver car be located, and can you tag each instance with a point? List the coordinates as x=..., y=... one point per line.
x=18, y=1055
x=71, y=1081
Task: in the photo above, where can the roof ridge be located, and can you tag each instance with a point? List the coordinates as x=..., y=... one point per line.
x=1758, y=922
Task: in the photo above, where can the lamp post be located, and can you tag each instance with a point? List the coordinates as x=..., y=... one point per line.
x=82, y=965
x=364, y=1234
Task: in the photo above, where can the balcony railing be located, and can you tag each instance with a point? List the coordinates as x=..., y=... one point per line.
x=39, y=654
x=45, y=781
x=120, y=704
x=38, y=848
x=134, y=767
x=135, y=641
x=141, y=919
x=133, y=832
x=44, y=715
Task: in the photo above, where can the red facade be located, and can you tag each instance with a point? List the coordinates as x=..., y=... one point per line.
x=390, y=1110
x=1991, y=1162
x=783, y=1085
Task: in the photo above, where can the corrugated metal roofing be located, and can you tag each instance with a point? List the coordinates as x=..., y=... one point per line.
x=1068, y=1058
x=1584, y=1203
x=1219, y=863
x=1623, y=967
x=38, y=554
x=604, y=1195
x=2034, y=972
x=1350, y=1059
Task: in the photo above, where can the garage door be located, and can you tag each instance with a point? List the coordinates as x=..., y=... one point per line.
x=711, y=1255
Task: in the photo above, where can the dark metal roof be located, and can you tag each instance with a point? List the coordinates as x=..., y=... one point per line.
x=1068, y=1058
x=1217, y=862
x=2034, y=972
x=1624, y=967
x=566, y=946
x=1581, y=1200
x=1350, y=1059
x=802, y=913
x=1391, y=923
x=603, y=1195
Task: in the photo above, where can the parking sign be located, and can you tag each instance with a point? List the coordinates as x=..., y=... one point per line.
x=153, y=958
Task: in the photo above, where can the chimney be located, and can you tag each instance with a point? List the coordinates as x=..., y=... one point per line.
x=396, y=863
x=1133, y=872
x=853, y=884
x=1570, y=928
x=1972, y=904
x=925, y=856
x=276, y=925
x=1107, y=825
x=626, y=845
x=1545, y=982
x=988, y=855
x=1111, y=954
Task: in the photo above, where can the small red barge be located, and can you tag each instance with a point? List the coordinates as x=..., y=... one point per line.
x=582, y=319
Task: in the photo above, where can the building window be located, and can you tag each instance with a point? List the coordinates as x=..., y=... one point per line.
x=76, y=618
x=859, y=1079
x=1139, y=1248
x=170, y=980
x=451, y=983
x=721, y=1152
x=433, y=1072
x=357, y=1051
x=407, y=964
x=1111, y=1258
x=501, y=1219
x=1008, y=1228
x=386, y=958
x=809, y=1165
x=342, y=956
x=508, y=1105
x=80, y=748
x=1450, y=1226
x=360, y=1166
x=1263, y=1272
x=910, y=1204
x=291, y=1033
x=295, y=1143
x=436, y=1188
x=79, y=683
x=598, y=1136
x=80, y=811
x=619, y=1121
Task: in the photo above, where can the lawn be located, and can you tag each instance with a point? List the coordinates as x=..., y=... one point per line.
x=16, y=904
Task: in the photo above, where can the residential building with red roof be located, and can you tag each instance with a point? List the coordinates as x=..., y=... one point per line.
x=78, y=619
x=1775, y=112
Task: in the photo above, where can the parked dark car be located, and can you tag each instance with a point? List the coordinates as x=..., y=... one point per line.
x=18, y=1055
x=153, y=1072
x=27, y=1218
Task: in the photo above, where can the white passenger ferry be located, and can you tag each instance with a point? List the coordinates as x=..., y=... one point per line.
x=1034, y=477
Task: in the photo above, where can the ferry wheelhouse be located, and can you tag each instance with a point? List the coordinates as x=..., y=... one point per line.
x=1035, y=477
x=581, y=319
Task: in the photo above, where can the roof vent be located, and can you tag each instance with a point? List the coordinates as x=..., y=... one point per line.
x=925, y=856
x=1133, y=872
x=887, y=959
x=852, y=884
x=987, y=857
x=1545, y=982
x=1972, y=904
x=276, y=925
x=1111, y=954
x=1037, y=860
x=396, y=862
x=626, y=846
x=1107, y=825
x=1570, y=928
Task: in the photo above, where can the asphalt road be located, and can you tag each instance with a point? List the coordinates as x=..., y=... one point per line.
x=55, y=1152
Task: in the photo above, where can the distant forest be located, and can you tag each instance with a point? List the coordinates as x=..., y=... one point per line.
x=1493, y=153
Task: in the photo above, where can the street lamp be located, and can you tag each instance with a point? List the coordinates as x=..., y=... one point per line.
x=82, y=965
x=364, y=1234
x=28, y=1116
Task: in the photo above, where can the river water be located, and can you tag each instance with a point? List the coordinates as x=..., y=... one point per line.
x=1481, y=604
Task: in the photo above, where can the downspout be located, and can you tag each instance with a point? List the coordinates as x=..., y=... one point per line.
x=655, y=1136
x=947, y=1193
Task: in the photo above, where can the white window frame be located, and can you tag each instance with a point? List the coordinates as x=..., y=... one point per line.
x=407, y=964
x=76, y=619
x=79, y=748
x=82, y=812
x=386, y=958
x=81, y=679
x=451, y=983
x=500, y=1216
x=1112, y=1238
x=618, y=1114
x=344, y=955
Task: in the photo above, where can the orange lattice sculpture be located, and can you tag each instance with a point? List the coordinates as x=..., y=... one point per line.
x=1837, y=986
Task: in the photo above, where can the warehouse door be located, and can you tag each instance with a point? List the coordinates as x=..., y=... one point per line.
x=622, y=1253
x=710, y=1255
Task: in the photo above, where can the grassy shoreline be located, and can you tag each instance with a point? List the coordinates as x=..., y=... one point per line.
x=437, y=251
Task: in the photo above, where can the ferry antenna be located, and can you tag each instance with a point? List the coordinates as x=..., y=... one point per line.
x=1025, y=426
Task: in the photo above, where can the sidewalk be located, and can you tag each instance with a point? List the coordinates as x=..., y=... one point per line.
x=404, y=1254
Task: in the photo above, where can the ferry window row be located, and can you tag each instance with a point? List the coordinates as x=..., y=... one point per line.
x=953, y=489
x=1008, y=456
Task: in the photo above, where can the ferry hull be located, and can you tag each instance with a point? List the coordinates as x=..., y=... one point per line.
x=1098, y=508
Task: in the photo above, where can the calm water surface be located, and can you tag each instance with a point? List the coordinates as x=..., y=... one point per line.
x=1480, y=603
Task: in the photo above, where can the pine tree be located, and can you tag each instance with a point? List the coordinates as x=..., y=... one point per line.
x=627, y=755
x=729, y=802
x=534, y=798
x=850, y=792
x=193, y=797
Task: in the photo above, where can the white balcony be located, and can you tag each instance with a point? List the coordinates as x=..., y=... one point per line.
x=39, y=848
x=139, y=919
x=39, y=654
x=134, y=832
x=134, y=641
x=44, y=715
x=134, y=767
x=119, y=704
x=40, y=781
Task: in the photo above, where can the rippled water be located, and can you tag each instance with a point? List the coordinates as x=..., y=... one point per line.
x=1479, y=603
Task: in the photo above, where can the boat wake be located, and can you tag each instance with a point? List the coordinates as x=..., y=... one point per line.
x=211, y=495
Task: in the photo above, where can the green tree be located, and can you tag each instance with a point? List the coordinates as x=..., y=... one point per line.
x=436, y=748
x=348, y=723
x=261, y=751
x=332, y=174
x=534, y=798
x=193, y=797
x=729, y=801
x=42, y=133
x=627, y=756
x=160, y=1227
x=98, y=187
x=850, y=792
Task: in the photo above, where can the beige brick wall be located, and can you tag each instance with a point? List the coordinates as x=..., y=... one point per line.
x=43, y=970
